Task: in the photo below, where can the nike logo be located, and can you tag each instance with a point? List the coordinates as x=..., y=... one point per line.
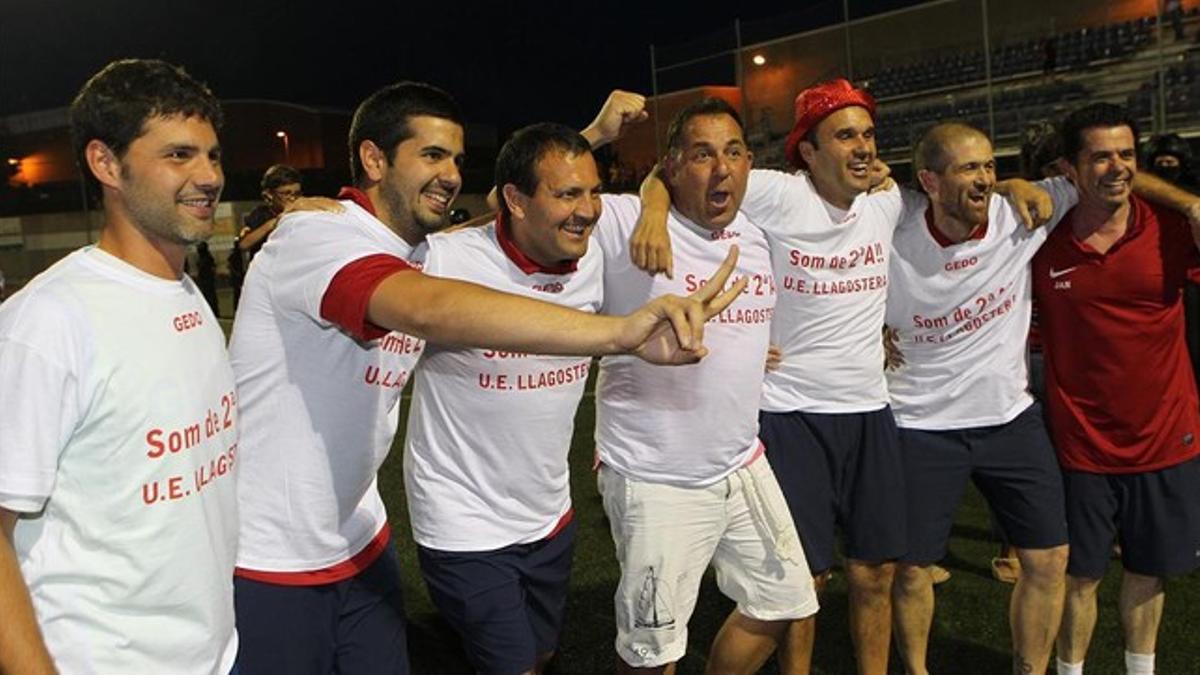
x=1054, y=274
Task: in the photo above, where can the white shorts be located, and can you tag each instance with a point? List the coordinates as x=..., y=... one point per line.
x=666, y=536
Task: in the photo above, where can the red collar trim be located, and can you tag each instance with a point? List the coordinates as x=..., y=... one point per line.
x=358, y=197
x=527, y=265
x=941, y=238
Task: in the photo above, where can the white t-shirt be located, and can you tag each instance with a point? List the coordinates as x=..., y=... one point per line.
x=118, y=439
x=320, y=408
x=962, y=313
x=485, y=461
x=833, y=278
x=689, y=425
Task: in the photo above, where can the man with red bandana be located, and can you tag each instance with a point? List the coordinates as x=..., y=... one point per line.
x=825, y=420
x=322, y=346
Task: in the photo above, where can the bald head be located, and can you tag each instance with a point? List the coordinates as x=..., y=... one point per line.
x=933, y=150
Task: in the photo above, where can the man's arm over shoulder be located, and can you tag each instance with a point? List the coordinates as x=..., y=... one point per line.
x=1158, y=191
x=1064, y=195
x=667, y=330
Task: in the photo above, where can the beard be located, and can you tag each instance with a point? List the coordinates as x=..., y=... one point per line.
x=400, y=207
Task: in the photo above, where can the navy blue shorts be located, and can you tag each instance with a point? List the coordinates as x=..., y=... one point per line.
x=508, y=605
x=1012, y=464
x=348, y=627
x=839, y=470
x=1155, y=515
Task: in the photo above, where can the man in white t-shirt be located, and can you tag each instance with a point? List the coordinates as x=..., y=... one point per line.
x=960, y=304
x=683, y=476
x=825, y=419
x=485, y=464
x=118, y=436
x=321, y=353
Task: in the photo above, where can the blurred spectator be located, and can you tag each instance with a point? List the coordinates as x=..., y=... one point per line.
x=281, y=185
x=1049, y=55
x=1041, y=148
x=1173, y=12
x=206, y=275
x=1168, y=156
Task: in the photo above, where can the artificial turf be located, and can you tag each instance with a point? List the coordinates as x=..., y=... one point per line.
x=970, y=632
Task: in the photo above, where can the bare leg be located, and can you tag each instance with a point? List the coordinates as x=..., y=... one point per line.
x=1079, y=619
x=1141, y=605
x=870, y=586
x=744, y=644
x=1036, y=608
x=913, y=597
x=795, y=654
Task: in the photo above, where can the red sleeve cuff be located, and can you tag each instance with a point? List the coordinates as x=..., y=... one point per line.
x=349, y=292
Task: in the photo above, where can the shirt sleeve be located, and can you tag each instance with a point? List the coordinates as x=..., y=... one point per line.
x=348, y=294
x=618, y=218
x=890, y=202
x=1064, y=195
x=773, y=198
x=40, y=400
x=308, y=251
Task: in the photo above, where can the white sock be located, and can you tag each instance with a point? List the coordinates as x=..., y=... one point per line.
x=1065, y=668
x=1139, y=664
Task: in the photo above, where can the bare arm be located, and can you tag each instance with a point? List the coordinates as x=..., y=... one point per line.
x=253, y=237
x=667, y=330
x=650, y=243
x=1154, y=189
x=1033, y=204
x=621, y=110
x=22, y=649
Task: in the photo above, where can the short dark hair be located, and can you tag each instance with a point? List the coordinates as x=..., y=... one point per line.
x=516, y=163
x=1091, y=116
x=279, y=175
x=929, y=153
x=114, y=105
x=383, y=118
x=706, y=106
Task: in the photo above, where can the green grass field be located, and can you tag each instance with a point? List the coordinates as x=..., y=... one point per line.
x=970, y=627
x=970, y=633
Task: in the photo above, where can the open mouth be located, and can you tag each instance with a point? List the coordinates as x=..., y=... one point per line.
x=1114, y=186
x=719, y=200
x=859, y=169
x=438, y=201
x=977, y=199
x=576, y=229
x=201, y=207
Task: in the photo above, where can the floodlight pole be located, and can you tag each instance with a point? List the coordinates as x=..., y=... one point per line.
x=849, y=52
x=1158, y=122
x=654, y=94
x=738, y=72
x=987, y=71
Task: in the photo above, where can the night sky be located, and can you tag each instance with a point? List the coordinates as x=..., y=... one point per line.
x=508, y=63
